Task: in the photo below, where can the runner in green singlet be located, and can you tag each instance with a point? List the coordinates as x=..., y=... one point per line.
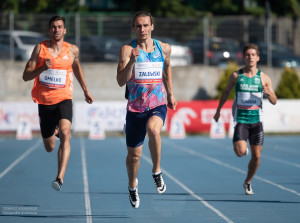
x=250, y=85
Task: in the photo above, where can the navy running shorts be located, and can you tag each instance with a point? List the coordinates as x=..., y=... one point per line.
x=254, y=132
x=136, y=124
x=51, y=114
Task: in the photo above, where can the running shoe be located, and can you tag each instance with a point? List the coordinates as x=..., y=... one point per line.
x=134, y=196
x=57, y=134
x=247, y=151
x=159, y=183
x=57, y=184
x=248, y=189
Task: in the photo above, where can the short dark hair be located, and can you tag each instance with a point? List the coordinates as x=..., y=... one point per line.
x=251, y=46
x=142, y=14
x=56, y=18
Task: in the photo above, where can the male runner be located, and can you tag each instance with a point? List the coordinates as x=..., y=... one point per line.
x=250, y=86
x=144, y=67
x=51, y=66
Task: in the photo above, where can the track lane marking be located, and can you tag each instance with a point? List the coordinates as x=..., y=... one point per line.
x=184, y=187
x=188, y=190
x=18, y=160
x=86, y=184
x=216, y=161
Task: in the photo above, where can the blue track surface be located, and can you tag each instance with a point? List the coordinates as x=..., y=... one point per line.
x=204, y=183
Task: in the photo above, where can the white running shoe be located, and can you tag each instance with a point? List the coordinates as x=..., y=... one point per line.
x=57, y=184
x=247, y=152
x=134, y=196
x=248, y=189
x=160, y=185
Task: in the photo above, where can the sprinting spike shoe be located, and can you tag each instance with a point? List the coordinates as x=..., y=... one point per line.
x=248, y=189
x=57, y=134
x=247, y=152
x=134, y=196
x=159, y=183
x=57, y=184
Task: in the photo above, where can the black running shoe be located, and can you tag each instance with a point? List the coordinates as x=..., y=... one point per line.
x=134, y=198
x=57, y=184
x=159, y=183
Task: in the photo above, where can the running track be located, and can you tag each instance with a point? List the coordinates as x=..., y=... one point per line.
x=204, y=183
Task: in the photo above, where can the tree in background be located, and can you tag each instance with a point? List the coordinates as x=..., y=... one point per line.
x=224, y=80
x=289, y=85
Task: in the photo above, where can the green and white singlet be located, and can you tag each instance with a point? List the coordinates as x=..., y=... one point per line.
x=247, y=106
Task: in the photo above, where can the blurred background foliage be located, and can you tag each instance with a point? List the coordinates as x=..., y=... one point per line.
x=159, y=8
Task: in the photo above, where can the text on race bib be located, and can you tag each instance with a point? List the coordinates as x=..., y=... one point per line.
x=148, y=72
x=52, y=78
x=248, y=100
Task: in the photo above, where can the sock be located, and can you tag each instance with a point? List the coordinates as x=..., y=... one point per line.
x=156, y=173
x=132, y=189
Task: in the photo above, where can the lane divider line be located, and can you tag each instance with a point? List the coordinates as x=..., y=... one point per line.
x=85, y=184
x=205, y=203
x=180, y=184
x=216, y=161
x=23, y=156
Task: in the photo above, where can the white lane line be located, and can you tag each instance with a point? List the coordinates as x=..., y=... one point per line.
x=86, y=184
x=263, y=156
x=13, y=164
x=216, y=161
x=205, y=203
x=282, y=161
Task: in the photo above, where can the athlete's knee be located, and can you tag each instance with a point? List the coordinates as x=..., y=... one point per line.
x=256, y=156
x=49, y=147
x=153, y=132
x=239, y=151
x=64, y=133
x=133, y=157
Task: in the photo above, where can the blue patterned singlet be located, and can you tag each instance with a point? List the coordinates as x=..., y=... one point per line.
x=146, y=88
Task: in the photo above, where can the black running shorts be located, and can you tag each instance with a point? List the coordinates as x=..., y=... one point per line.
x=254, y=132
x=51, y=114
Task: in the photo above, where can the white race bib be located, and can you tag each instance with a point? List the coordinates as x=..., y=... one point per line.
x=249, y=100
x=148, y=72
x=52, y=78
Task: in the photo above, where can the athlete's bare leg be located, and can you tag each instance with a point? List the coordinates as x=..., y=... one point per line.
x=133, y=164
x=240, y=147
x=49, y=143
x=64, y=147
x=254, y=162
x=154, y=127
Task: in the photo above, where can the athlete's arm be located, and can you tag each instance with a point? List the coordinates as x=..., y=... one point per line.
x=268, y=89
x=127, y=58
x=230, y=84
x=79, y=74
x=167, y=75
x=30, y=72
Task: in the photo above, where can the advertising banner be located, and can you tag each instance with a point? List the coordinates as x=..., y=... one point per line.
x=197, y=115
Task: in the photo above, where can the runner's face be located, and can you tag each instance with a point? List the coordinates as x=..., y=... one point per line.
x=251, y=58
x=57, y=30
x=143, y=27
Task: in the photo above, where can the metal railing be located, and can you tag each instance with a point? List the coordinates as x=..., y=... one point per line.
x=241, y=28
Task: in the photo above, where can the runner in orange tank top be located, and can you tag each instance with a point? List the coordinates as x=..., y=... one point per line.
x=52, y=65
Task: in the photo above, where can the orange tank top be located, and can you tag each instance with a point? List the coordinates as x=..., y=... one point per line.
x=56, y=84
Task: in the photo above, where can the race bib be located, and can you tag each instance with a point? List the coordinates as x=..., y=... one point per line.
x=247, y=100
x=148, y=72
x=52, y=78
